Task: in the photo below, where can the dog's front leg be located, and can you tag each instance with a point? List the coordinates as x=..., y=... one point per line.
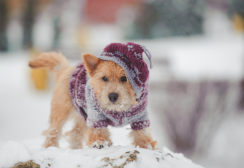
x=98, y=137
x=143, y=139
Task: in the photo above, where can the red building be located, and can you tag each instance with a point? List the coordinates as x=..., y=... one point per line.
x=104, y=11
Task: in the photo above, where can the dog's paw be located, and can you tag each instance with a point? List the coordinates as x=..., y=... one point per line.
x=149, y=146
x=152, y=145
x=101, y=144
x=98, y=146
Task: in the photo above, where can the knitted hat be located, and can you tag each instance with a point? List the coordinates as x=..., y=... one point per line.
x=129, y=57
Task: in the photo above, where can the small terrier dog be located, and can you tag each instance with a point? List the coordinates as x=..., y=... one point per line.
x=99, y=92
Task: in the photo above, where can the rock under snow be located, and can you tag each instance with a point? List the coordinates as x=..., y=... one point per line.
x=13, y=152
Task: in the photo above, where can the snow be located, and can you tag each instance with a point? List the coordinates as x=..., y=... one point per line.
x=24, y=115
x=190, y=58
x=227, y=148
x=24, y=111
x=197, y=58
x=14, y=152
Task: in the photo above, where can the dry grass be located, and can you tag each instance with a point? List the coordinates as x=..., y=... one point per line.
x=29, y=164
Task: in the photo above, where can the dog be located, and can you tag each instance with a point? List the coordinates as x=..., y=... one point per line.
x=108, y=92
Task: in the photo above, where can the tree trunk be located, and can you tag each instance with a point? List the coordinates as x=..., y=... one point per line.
x=3, y=25
x=28, y=23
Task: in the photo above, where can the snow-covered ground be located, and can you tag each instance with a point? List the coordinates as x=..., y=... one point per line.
x=227, y=148
x=14, y=152
x=24, y=115
x=202, y=57
x=24, y=111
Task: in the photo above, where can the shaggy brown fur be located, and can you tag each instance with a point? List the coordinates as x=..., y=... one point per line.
x=143, y=139
x=113, y=72
x=98, y=137
x=62, y=108
x=76, y=135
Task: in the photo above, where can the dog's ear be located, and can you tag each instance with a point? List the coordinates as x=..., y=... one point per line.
x=90, y=62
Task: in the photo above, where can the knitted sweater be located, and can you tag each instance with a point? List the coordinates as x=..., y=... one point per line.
x=86, y=103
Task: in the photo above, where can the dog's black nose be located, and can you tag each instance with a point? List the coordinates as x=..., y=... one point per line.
x=113, y=97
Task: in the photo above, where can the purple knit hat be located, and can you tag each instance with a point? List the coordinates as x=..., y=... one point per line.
x=129, y=57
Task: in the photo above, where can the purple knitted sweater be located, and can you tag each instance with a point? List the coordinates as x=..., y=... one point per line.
x=86, y=103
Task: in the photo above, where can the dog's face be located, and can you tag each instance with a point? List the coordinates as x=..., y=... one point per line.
x=110, y=83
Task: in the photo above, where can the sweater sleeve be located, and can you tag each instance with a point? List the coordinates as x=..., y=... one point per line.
x=140, y=124
x=98, y=124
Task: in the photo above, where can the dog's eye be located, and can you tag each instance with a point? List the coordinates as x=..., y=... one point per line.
x=123, y=79
x=105, y=79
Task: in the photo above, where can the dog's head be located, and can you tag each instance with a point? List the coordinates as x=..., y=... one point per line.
x=110, y=83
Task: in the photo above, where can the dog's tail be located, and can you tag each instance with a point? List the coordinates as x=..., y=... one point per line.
x=52, y=61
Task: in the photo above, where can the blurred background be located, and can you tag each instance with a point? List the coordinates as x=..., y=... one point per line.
x=196, y=86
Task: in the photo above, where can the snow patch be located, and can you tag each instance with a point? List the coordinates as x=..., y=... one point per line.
x=14, y=152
